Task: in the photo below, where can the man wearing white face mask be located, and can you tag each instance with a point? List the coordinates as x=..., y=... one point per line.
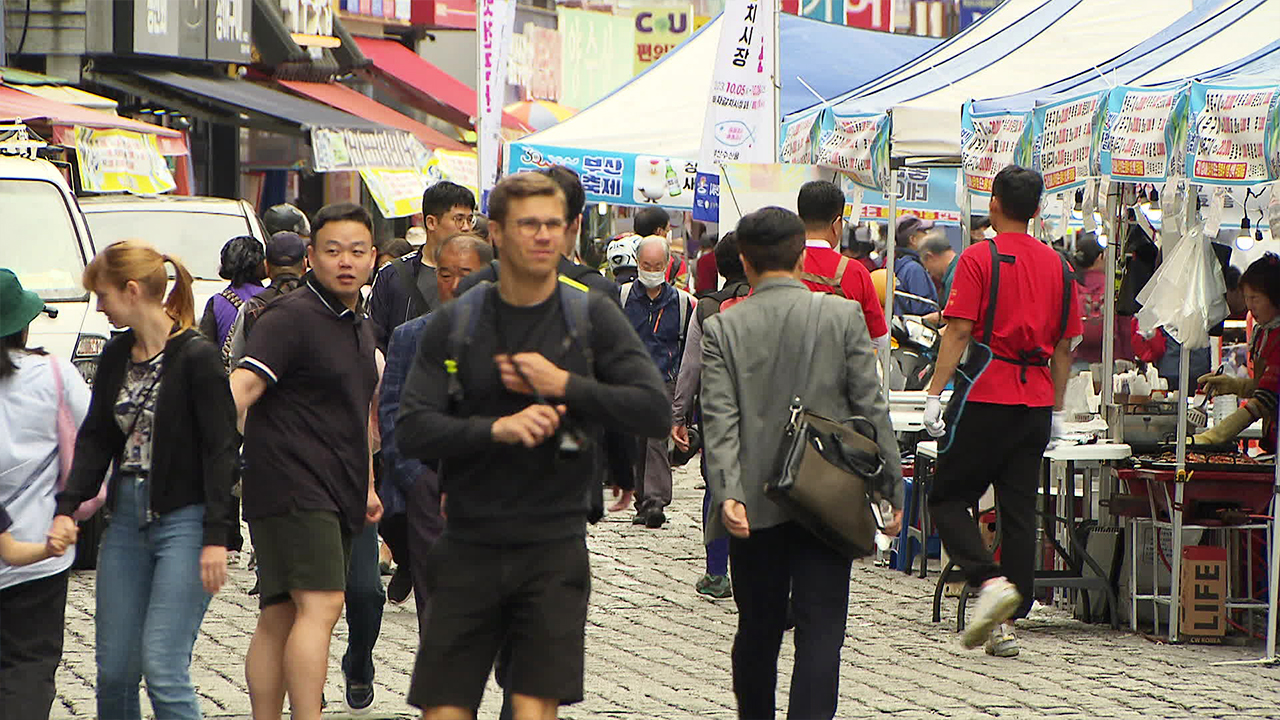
x=659, y=313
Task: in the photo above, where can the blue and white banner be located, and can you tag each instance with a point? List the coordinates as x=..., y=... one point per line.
x=991, y=141
x=1234, y=136
x=857, y=146
x=1144, y=134
x=927, y=193
x=1066, y=133
x=615, y=178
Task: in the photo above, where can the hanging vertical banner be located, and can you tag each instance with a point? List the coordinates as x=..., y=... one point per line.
x=1065, y=134
x=989, y=142
x=798, y=140
x=1144, y=134
x=497, y=20
x=741, y=121
x=857, y=146
x=1234, y=134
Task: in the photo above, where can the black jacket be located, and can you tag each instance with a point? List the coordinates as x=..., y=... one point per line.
x=581, y=273
x=194, y=447
x=392, y=303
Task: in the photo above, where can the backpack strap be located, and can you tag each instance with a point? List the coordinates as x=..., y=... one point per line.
x=417, y=303
x=466, y=316
x=687, y=302
x=575, y=304
x=834, y=282
x=625, y=292
x=230, y=296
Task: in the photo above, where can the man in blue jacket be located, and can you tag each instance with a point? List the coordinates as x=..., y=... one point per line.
x=910, y=272
x=659, y=312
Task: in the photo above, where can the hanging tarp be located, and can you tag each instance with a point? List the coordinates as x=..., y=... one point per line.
x=1234, y=134
x=1066, y=133
x=1145, y=134
x=798, y=140
x=856, y=146
x=112, y=161
x=990, y=142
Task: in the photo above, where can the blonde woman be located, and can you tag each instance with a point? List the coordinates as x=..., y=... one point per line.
x=162, y=412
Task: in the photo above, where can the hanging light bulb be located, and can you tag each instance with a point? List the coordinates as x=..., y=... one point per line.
x=1244, y=239
x=603, y=208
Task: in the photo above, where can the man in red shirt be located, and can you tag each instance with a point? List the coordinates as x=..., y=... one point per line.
x=707, y=275
x=1000, y=431
x=821, y=206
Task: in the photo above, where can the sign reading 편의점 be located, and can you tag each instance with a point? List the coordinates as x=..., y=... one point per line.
x=658, y=31
x=1065, y=134
x=1234, y=135
x=1144, y=134
x=991, y=142
x=121, y=161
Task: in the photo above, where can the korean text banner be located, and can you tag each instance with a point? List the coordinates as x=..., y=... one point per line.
x=459, y=167
x=927, y=193
x=497, y=19
x=857, y=146
x=352, y=150
x=397, y=191
x=1144, y=134
x=1065, y=135
x=741, y=119
x=121, y=161
x=989, y=142
x=616, y=178
x=1234, y=135
x=798, y=138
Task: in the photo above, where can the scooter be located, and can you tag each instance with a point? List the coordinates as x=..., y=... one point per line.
x=915, y=344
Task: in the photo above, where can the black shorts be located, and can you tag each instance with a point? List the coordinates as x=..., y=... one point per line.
x=533, y=598
x=304, y=550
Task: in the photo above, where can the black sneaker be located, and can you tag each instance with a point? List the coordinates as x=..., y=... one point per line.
x=256, y=587
x=359, y=697
x=655, y=519
x=400, y=587
x=642, y=516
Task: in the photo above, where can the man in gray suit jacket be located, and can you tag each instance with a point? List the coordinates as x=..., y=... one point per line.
x=751, y=353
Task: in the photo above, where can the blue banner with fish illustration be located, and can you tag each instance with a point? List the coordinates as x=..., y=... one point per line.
x=615, y=178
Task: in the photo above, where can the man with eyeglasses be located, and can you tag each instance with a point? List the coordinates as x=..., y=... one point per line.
x=406, y=288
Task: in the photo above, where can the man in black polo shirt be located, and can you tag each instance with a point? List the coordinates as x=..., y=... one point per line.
x=303, y=391
x=513, y=404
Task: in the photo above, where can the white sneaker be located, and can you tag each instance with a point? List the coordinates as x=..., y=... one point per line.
x=996, y=603
x=1002, y=642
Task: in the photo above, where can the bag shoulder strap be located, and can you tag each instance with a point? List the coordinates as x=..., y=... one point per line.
x=625, y=292
x=575, y=301
x=840, y=268
x=417, y=302
x=810, y=338
x=466, y=316
x=687, y=302
x=230, y=296
x=993, y=293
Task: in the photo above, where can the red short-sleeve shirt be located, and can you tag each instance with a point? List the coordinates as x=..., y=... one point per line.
x=1265, y=355
x=1028, y=315
x=820, y=259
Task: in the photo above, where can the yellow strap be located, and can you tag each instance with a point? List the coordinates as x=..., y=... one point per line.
x=574, y=283
x=451, y=366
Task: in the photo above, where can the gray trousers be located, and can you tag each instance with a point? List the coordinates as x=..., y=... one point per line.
x=653, y=467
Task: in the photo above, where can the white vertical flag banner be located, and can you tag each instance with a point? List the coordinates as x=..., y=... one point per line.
x=497, y=18
x=741, y=124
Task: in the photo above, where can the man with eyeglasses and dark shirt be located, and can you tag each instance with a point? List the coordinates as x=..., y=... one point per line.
x=511, y=389
x=406, y=288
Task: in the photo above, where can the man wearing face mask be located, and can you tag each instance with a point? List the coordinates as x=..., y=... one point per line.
x=659, y=313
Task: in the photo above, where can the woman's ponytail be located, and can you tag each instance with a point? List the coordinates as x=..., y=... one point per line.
x=181, y=303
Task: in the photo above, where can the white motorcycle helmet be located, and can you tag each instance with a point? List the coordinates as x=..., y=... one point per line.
x=621, y=252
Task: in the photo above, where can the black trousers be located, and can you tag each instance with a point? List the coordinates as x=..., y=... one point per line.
x=31, y=628
x=767, y=567
x=423, y=528
x=394, y=530
x=999, y=445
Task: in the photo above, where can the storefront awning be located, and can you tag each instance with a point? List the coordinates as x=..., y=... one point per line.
x=431, y=88
x=24, y=106
x=351, y=101
x=72, y=96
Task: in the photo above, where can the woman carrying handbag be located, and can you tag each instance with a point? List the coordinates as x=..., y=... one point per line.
x=162, y=414
x=34, y=388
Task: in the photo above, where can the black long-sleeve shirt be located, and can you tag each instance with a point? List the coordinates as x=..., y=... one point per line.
x=509, y=494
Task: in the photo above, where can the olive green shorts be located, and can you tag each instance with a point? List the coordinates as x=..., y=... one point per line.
x=304, y=550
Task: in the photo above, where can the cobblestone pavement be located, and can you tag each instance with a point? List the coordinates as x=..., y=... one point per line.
x=655, y=649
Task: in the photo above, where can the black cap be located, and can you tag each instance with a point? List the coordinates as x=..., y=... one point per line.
x=286, y=248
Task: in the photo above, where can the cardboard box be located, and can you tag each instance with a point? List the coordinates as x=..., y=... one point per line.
x=1203, y=586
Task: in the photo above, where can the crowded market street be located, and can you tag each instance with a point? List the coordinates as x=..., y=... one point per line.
x=656, y=649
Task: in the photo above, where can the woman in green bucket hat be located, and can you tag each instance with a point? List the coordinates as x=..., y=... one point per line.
x=32, y=598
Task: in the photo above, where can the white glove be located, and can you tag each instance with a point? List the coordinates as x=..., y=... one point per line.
x=1059, y=428
x=933, y=421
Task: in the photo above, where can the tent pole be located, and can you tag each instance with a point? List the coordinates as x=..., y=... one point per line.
x=890, y=281
x=777, y=82
x=1175, y=512
x=966, y=215
x=1109, y=311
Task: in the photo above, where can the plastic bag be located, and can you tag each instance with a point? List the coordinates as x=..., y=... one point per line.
x=1187, y=295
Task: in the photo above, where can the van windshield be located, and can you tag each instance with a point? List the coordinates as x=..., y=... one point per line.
x=195, y=238
x=40, y=243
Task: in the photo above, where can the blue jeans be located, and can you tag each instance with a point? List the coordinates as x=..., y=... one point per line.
x=150, y=606
x=365, y=598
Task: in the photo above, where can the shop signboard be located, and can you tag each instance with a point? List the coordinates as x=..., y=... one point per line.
x=401, y=10
x=111, y=161
x=1144, y=134
x=534, y=64
x=172, y=28
x=989, y=142
x=658, y=30
x=595, y=54
x=869, y=14
x=971, y=11
x=615, y=178
x=741, y=120
x=1234, y=134
x=230, y=30
x=857, y=146
x=346, y=150
x=1065, y=134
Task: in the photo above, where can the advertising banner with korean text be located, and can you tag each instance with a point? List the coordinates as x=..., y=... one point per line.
x=1144, y=134
x=462, y=168
x=927, y=193
x=347, y=150
x=857, y=146
x=1065, y=135
x=397, y=191
x=659, y=29
x=989, y=142
x=121, y=161
x=741, y=120
x=615, y=178
x=496, y=20
x=1234, y=134
x=799, y=140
